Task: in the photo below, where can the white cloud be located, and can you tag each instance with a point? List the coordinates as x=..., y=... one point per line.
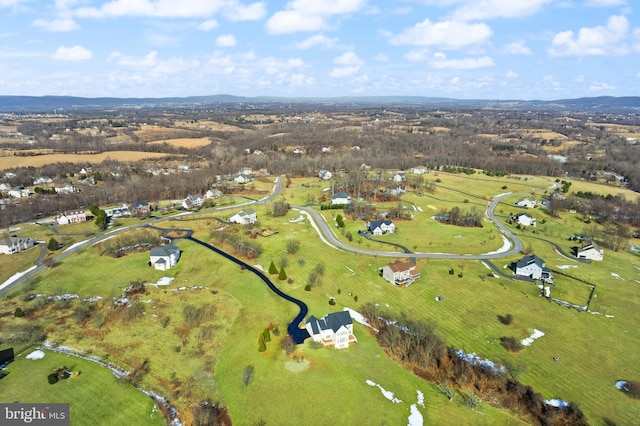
x=511, y=74
x=444, y=34
x=417, y=55
x=277, y=66
x=226, y=40
x=341, y=72
x=301, y=80
x=517, y=48
x=149, y=60
x=10, y=3
x=170, y=9
x=317, y=40
x=381, y=57
x=310, y=15
x=208, y=25
x=605, y=3
x=57, y=25
x=599, y=86
x=455, y=80
x=598, y=40
x=350, y=62
x=348, y=58
x=153, y=64
x=75, y=53
x=252, y=12
x=441, y=62
x=488, y=9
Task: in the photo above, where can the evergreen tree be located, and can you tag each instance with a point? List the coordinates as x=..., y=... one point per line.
x=266, y=335
x=283, y=275
x=261, y=345
x=53, y=244
x=272, y=268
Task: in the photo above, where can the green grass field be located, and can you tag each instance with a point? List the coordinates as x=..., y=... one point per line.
x=95, y=397
x=594, y=349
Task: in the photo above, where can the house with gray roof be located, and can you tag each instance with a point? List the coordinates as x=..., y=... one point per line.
x=533, y=267
x=245, y=217
x=341, y=198
x=335, y=329
x=163, y=258
x=14, y=244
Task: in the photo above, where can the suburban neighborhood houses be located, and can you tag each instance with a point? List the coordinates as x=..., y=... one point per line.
x=335, y=329
x=163, y=258
x=400, y=273
x=245, y=217
x=533, y=267
x=14, y=244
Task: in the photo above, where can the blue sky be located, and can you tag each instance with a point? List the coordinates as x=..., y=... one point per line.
x=467, y=49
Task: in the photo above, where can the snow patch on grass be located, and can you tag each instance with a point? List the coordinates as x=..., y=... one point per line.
x=614, y=275
x=415, y=418
x=40, y=354
x=558, y=403
x=387, y=394
x=529, y=340
x=163, y=282
x=14, y=277
x=566, y=266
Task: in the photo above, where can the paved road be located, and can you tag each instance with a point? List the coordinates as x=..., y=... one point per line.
x=297, y=334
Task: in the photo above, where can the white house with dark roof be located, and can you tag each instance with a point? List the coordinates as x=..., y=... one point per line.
x=400, y=273
x=14, y=244
x=242, y=179
x=590, y=251
x=524, y=219
x=245, y=217
x=533, y=267
x=341, y=198
x=335, y=329
x=324, y=174
x=163, y=258
x=381, y=227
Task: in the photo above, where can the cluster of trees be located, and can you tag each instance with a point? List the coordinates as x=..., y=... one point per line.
x=459, y=217
x=418, y=347
x=241, y=247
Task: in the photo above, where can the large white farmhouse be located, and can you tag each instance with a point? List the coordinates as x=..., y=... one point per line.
x=335, y=329
x=163, y=258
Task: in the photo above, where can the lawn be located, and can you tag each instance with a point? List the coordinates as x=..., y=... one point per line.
x=96, y=396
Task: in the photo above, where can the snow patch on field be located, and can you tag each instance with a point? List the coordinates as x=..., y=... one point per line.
x=415, y=418
x=566, y=266
x=71, y=247
x=620, y=384
x=474, y=359
x=505, y=246
x=614, y=275
x=387, y=394
x=163, y=282
x=529, y=340
x=558, y=403
x=35, y=355
x=14, y=277
x=357, y=317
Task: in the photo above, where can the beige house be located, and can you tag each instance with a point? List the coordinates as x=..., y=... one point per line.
x=400, y=273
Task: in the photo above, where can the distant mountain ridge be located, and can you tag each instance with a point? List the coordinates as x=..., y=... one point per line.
x=49, y=104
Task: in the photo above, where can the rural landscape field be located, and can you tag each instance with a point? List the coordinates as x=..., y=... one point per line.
x=292, y=195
